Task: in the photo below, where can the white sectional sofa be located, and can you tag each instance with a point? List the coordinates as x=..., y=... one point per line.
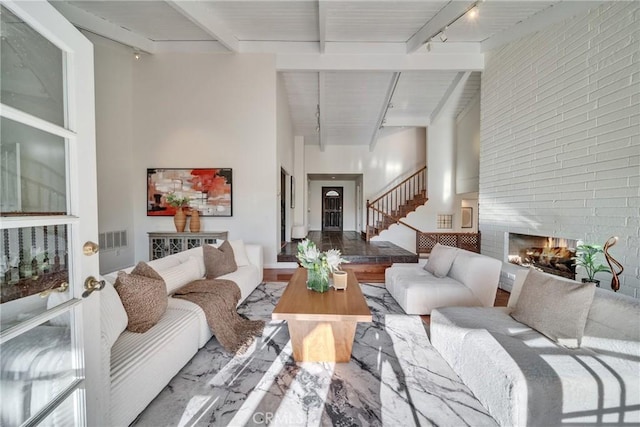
x=472, y=280
x=526, y=379
x=137, y=366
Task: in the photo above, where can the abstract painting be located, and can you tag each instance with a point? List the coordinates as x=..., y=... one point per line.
x=209, y=190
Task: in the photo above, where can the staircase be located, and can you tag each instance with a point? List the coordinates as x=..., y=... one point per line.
x=394, y=205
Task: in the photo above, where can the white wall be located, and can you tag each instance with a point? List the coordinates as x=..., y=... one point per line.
x=397, y=154
x=348, y=203
x=468, y=148
x=209, y=110
x=114, y=147
x=560, y=141
x=285, y=138
x=441, y=161
x=300, y=211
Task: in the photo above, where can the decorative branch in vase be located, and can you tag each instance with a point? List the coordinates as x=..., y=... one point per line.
x=178, y=202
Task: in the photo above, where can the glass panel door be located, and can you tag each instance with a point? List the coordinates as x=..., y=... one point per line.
x=48, y=332
x=32, y=70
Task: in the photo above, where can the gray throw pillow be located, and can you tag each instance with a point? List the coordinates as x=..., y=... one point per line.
x=144, y=297
x=554, y=307
x=440, y=260
x=219, y=261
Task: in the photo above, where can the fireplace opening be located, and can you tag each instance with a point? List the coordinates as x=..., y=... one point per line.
x=550, y=254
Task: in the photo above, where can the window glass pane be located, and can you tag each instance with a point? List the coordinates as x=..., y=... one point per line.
x=31, y=70
x=32, y=260
x=68, y=413
x=32, y=171
x=36, y=366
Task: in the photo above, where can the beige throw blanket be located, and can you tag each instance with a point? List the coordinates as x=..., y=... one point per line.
x=218, y=298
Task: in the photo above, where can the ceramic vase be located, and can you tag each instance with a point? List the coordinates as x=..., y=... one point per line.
x=194, y=223
x=317, y=279
x=340, y=280
x=180, y=220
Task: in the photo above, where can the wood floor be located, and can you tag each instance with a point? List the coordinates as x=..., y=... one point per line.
x=374, y=277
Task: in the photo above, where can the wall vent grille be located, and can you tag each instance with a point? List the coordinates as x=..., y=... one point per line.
x=112, y=240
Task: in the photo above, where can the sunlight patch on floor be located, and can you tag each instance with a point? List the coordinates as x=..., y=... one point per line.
x=290, y=412
x=247, y=411
x=198, y=406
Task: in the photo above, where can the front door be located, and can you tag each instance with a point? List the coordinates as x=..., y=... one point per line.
x=331, y=208
x=49, y=333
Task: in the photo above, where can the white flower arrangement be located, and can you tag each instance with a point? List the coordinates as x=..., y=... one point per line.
x=311, y=258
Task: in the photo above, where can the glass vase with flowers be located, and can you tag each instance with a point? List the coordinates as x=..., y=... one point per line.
x=319, y=265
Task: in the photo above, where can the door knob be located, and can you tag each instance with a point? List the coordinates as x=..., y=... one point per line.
x=92, y=284
x=90, y=248
x=63, y=287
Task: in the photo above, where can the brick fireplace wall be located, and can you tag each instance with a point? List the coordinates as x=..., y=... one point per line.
x=560, y=136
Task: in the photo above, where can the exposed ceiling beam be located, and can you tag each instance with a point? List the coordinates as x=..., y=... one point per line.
x=446, y=15
x=346, y=48
x=552, y=15
x=383, y=111
x=321, y=105
x=322, y=23
x=413, y=122
x=102, y=27
x=426, y=62
x=458, y=80
x=200, y=14
x=191, y=46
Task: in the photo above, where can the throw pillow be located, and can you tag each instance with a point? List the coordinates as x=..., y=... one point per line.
x=239, y=253
x=178, y=276
x=164, y=263
x=144, y=269
x=521, y=276
x=113, y=316
x=440, y=260
x=556, y=308
x=144, y=296
x=218, y=261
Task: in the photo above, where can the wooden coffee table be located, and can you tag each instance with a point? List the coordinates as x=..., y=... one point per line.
x=322, y=325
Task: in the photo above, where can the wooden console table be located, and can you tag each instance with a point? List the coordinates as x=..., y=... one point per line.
x=322, y=326
x=163, y=243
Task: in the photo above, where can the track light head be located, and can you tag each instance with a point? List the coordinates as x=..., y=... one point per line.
x=473, y=12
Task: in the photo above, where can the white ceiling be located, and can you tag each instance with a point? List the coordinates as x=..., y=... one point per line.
x=365, y=64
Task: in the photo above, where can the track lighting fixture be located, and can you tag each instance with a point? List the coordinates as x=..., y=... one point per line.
x=471, y=14
x=136, y=55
